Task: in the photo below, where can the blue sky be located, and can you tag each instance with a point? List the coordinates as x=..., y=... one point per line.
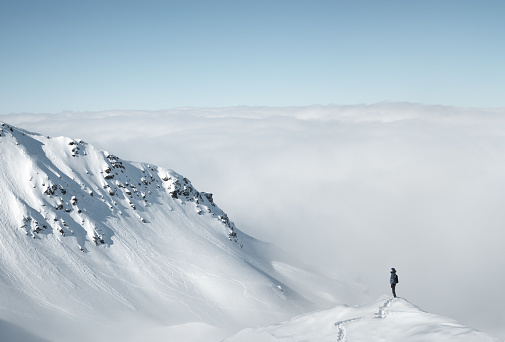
x=98, y=55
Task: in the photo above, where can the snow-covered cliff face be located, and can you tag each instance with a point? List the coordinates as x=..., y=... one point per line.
x=92, y=245
x=66, y=186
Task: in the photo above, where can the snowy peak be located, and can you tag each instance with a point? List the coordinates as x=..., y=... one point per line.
x=93, y=245
x=89, y=239
x=62, y=185
x=392, y=320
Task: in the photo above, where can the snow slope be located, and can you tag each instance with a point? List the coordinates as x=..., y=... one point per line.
x=391, y=320
x=93, y=247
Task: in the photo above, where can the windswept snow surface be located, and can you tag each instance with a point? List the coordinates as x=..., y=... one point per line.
x=96, y=248
x=391, y=320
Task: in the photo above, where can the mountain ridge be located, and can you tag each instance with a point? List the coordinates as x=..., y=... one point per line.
x=109, y=179
x=386, y=319
x=94, y=247
x=90, y=239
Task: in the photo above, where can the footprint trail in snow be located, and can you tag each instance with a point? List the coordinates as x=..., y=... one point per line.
x=342, y=331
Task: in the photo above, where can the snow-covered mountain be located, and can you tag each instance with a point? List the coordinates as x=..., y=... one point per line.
x=95, y=248
x=92, y=245
x=388, y=319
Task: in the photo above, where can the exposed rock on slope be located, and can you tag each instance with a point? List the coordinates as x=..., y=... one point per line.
x=45, y=168
x=90, y=242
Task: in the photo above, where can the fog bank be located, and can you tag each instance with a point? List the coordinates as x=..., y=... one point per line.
x=419, y=188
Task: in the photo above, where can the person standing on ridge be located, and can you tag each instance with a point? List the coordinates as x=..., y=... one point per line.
x=393, y=281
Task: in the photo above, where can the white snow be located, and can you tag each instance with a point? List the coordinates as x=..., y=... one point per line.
x=104, y=247
x=95, y=248
x=392, y=320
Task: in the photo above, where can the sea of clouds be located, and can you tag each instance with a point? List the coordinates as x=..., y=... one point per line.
x=365, y=187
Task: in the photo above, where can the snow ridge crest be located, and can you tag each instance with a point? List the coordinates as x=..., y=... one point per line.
x=67, y=187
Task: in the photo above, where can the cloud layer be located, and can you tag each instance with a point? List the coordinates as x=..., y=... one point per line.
x=419, y=188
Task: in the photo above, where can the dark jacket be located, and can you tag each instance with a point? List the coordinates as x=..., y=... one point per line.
x=394, y=278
